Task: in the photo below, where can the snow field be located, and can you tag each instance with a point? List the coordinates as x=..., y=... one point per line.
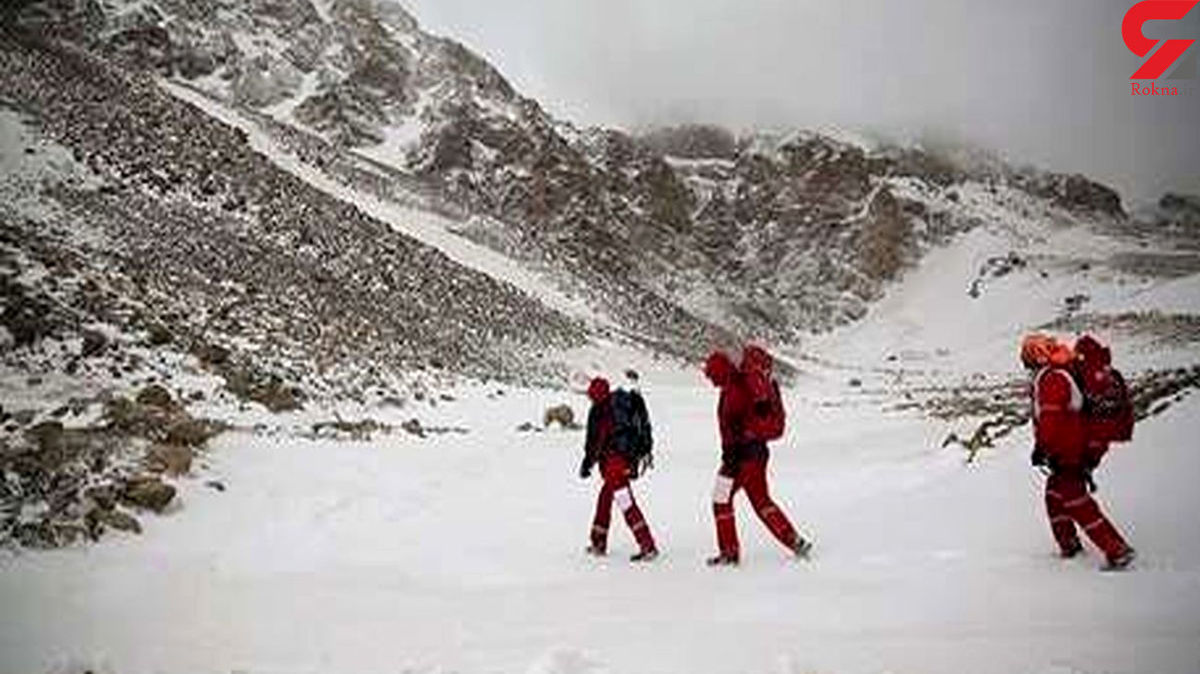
x=464, y=553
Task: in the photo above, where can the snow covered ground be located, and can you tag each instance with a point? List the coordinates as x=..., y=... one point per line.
x=463, y=553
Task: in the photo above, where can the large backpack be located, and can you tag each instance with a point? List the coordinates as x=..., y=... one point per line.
x=632, y=435
x=1107, y=403
x=767, y=418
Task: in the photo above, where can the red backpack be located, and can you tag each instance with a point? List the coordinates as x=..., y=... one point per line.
x=1107, y=404
x=767, y=418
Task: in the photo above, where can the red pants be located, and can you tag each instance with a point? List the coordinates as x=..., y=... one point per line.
x=615, y=472
x=1068, y=504
x=750, y=474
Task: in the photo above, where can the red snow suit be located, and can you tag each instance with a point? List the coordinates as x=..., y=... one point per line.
x=1060, y=434
x=1058, y=418
x=614, y=470
x=743, y=464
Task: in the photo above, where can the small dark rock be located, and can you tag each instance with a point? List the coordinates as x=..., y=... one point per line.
x=414, y=427
x=149, y=493
x=47, y=436
x=563, y=415
x=104, y=496
x=116, y=519
x=214, y=484
x=155, y=396
x=211, y=354
x=173, y=460
x=158, y=334
x=94, y=344
x=191, y=432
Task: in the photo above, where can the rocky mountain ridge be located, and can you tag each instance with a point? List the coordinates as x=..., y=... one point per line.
x=681, y=235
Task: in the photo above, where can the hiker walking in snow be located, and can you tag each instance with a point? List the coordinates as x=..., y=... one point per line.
x=749, y=413
x=618, y=439
x=1070, y=438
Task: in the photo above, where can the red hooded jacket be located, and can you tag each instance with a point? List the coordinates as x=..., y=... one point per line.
x=1058, y=418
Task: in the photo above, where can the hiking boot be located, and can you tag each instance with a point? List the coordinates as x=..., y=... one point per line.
x=1121, y=561
x=1072, y=551
x=645, y=556
x=722, y=560
x=802, y=548
x=596, y=550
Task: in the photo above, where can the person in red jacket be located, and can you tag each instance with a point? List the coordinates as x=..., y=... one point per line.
x=614, y=471
x=743, y=466
x=1061, y=445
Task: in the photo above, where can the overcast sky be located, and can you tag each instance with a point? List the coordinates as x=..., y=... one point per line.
x=1041, y=81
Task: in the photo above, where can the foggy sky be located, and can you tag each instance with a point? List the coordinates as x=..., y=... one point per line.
x=1041, y=81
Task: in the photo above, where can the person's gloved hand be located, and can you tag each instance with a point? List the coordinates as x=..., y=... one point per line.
x=585, y=470
x=729, y=460
x=1038, y=457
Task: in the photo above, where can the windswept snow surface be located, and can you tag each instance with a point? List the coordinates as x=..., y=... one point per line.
x=464, y=553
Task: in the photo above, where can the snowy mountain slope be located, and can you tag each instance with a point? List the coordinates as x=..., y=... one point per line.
x=773, y=235
x=147, y=251
x=197, y=216
x=421, y=225
x=463, y=552
x=1018, y=270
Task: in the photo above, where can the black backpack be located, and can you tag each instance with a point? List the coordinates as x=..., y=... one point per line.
x=632, y=436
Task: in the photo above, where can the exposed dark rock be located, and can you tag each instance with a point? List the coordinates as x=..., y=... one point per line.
x=147, y=492
x=174, y=460
x=104, y=496
x=414, y=427
x=94, y=343
x=116, y=519
x=562, y=415
x=156, y=396
x=189, y=432
x=158, y=334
